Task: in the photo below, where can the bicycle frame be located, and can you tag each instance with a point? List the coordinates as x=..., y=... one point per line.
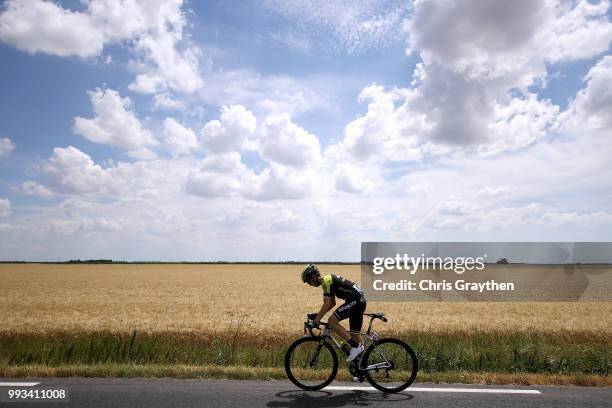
x=326, y=333
x=324, y=346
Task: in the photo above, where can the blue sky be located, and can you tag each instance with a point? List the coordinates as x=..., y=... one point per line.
x=295, y=130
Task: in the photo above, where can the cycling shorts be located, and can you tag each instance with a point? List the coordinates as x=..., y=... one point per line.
x=353, y=310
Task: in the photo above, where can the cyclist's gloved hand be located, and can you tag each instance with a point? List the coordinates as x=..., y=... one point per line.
x=311, y=324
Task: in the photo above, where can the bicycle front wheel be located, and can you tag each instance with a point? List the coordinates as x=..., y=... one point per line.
x=311, y=363
x=390, y=365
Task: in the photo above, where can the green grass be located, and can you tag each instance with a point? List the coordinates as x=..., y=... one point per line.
x=578, y=355
x=277, y=373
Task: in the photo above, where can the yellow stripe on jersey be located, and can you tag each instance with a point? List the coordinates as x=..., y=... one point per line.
x=327, y=282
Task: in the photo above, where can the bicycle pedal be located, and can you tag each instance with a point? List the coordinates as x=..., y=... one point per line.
x=356, y=379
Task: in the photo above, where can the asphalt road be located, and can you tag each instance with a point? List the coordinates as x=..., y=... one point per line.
x=123, y=393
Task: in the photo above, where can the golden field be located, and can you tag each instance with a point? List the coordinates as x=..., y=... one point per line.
x=264, y=298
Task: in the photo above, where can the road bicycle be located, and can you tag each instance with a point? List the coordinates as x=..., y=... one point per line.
x=389, y=364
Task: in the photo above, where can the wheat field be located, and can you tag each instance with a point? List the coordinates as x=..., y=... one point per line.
x=236, y=321
x=37, y=298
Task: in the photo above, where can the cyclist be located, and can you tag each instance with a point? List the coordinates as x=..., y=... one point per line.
x=353, y=308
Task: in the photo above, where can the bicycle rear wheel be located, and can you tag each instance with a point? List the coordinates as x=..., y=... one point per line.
x=311, y=363
x=391, y=365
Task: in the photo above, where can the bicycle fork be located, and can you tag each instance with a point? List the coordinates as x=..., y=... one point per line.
x=315, y=355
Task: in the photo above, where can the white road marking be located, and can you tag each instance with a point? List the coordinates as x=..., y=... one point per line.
x=18, y=384
x=427, y=389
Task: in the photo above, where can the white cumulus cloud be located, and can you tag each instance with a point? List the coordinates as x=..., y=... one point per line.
x=385, y=132
x=153, y=31
x=5, y=207
x=286, y=143
x=291, y=155
x=580, y=30
x=351, y=179
x=280, y=182
x=115, y=124
x=284, y=220
x=164, y=67
x=217, y=175
x=43, y=26
x=510, y=41
x=479, y=58
x=6, y=146
x=69, y=170
x=166, y=102
x=231, y=132
x=518, y=123
x=181, y=140
x=592, y=106
x=35, y=189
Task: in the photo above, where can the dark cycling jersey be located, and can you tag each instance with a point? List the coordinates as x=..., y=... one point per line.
x=334, y=285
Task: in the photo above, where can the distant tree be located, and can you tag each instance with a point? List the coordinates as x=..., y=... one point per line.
x=503, y=261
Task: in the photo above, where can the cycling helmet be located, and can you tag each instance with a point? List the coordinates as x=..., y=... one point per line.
x=308, y=271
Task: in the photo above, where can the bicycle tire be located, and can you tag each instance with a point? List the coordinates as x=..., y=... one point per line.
x=296, y=381
x=408, y=382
